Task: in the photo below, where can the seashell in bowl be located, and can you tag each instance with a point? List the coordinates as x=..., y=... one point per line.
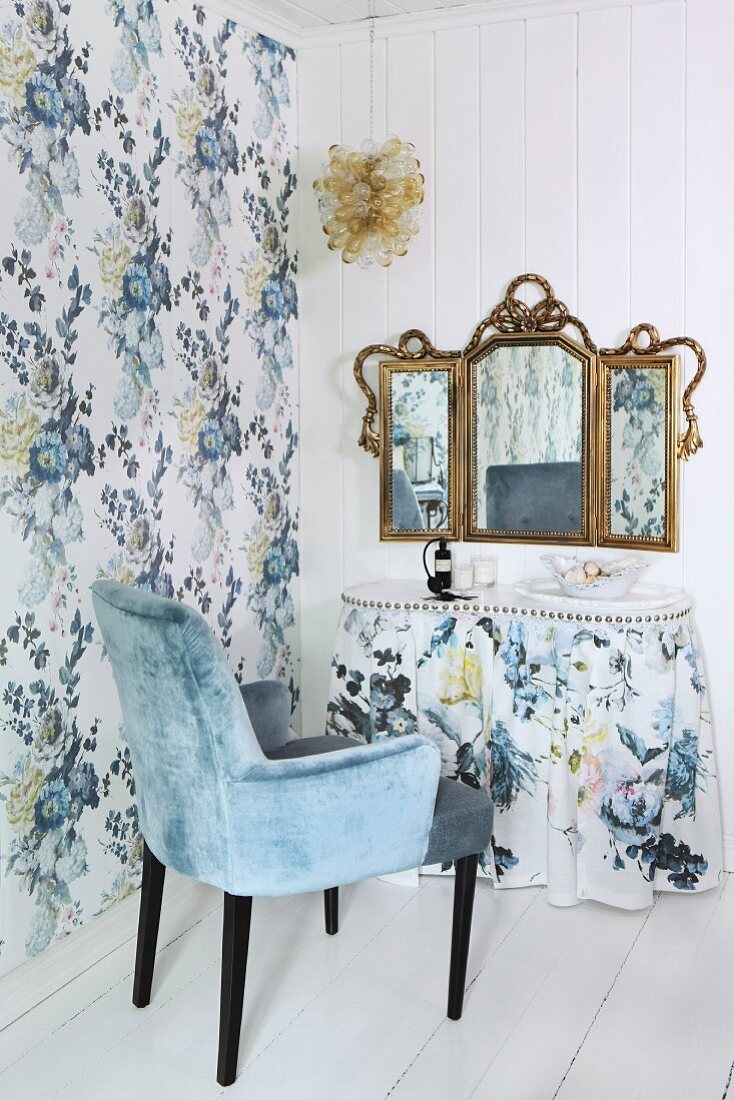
x=594, y=579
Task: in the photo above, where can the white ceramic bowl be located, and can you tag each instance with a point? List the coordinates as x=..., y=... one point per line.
x=626, y=572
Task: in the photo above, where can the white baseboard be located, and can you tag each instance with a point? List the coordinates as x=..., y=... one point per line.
x=184, y=903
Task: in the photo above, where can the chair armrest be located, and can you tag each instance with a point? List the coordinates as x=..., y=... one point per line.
x=268, y=704
x=314, y=822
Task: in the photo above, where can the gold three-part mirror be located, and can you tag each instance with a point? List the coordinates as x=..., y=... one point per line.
x=531, y=435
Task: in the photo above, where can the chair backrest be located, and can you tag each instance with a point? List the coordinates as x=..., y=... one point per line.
x=406, y=513
x=184, y=720
x=545, y=496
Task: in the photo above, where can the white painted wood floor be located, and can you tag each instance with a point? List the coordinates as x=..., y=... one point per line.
x=588, y=1003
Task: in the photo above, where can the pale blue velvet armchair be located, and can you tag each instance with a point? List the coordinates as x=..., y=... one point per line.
x=224, y=798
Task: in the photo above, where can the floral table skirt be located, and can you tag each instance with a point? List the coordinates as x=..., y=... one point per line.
x=593, y=736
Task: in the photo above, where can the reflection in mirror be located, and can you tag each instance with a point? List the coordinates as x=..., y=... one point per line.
x=639, y=438
x=528, y=406
x=419, y=417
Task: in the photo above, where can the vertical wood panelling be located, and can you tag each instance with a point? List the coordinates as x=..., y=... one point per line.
x=657, y=150
x=502, y=188
x=364, y=321
x=657, y=143
x=321, y=526
x=457, y=185
x=410, y=81
x=550, y=169
x=502, y=152
x=410, y=303
x=604, y=173
x=550, y=152
x=708, y=532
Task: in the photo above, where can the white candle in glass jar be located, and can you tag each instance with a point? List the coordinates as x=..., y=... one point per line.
x=463, y=576
x=485, y=570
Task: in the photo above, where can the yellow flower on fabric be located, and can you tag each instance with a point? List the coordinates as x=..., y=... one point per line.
x=18, y=430
x=595, y=733
x=21, y=801
x=190, y=419
x=461, y=677
x=256, y=274
x=17, y=63
x=114, y=259
x=188, y=120
x=256, y=547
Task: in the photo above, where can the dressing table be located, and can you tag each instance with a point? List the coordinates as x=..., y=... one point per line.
x=588, y=722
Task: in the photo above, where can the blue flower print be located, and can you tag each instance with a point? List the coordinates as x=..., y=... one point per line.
x=232, y=432
x=48, y=457
x=631, y=810
x=682, y=766
x=272, y=300
x=290, y=297
x=52, y=806
x=228, y=149
x=81, y=450
x=137, y=292
x=211, y=441
x=274, y=565
x=513, y=769
x=388, y=692
x=76, y=107
x=686, y=867
x=397, y=722
x=634, y=392
x=207, y=147
x=43, y=100
x=82, y=785
x=161, y=286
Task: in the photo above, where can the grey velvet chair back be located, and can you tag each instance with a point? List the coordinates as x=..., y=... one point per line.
x=406, y=512
x=545, y=496
x=184, y=719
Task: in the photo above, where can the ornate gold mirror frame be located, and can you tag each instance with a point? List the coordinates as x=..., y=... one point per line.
x=545, y=521
x=548, y=316
x=413, y=351
x=426, y=507
x=638, y=485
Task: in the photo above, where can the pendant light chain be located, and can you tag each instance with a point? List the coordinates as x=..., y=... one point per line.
x=371, y=15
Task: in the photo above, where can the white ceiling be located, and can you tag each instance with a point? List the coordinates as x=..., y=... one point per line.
x=316, y=14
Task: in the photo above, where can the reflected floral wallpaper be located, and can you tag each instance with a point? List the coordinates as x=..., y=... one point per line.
x=521, y=428
x=638, y=452
x=148, y=401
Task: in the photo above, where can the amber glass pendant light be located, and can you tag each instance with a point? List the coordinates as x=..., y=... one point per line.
x=369, y=198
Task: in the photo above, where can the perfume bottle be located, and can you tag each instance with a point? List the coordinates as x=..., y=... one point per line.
x=440, y=579
x=443, y=570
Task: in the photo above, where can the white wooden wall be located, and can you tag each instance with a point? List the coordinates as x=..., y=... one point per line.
x=596, y=148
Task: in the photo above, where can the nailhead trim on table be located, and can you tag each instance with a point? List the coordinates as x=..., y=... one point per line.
x=533, y=612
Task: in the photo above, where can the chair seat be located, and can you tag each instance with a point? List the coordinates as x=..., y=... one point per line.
x=462, y=818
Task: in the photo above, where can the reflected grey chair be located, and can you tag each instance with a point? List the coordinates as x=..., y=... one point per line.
x=542, y=496
x=406, y=512
x=225, y=798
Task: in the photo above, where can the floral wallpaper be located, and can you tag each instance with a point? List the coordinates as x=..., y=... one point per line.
x=515, y=424
x=637, y=404
x=148, y=397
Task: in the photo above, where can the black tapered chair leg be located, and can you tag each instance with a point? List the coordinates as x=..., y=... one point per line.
x=235, y=942
x=151, y=894
x=331, y=910
x=466, y=880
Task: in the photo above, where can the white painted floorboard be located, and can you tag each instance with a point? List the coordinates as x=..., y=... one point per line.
x=588, y=1002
